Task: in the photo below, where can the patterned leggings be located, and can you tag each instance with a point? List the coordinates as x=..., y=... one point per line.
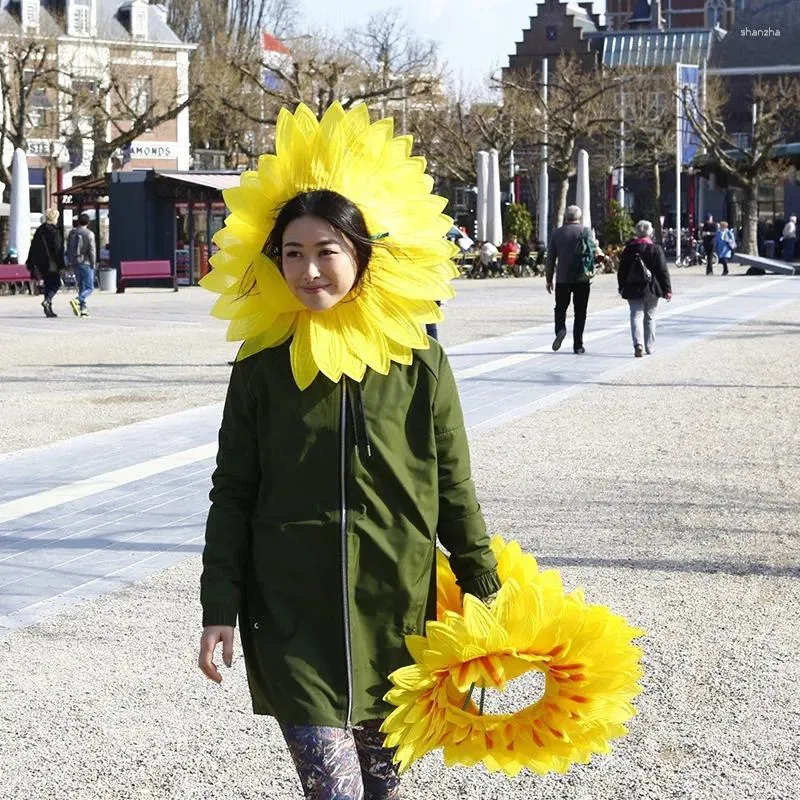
x=337, y=764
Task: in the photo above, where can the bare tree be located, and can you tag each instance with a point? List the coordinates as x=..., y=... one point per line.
x=114, y=111
x=219, y=23
x=451, y=132
x=580, y=105
x=27, y=71
x=380, y=63
x=228, y=34
x=752, y=159
x=647, y=115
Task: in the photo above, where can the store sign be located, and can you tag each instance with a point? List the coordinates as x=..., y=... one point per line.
x=154, y=150
x=41, y=147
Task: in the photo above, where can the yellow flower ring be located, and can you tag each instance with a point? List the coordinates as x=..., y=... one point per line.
x=410, y=267
x=590, y=665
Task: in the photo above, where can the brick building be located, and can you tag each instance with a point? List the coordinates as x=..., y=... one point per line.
x=86, y=42
x=740, y=40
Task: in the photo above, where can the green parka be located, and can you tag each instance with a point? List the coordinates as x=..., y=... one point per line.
x=326, y=505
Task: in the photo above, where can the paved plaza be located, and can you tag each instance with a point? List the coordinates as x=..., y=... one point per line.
x=666, y=486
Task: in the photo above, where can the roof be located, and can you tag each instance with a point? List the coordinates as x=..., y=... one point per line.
x=111, y=24
x=211, y=180
x=654, y=48
x=761, y=37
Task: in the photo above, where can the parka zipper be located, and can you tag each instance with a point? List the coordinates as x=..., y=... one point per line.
x=348, y=655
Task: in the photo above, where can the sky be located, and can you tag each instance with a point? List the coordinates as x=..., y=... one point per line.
x=475, y=36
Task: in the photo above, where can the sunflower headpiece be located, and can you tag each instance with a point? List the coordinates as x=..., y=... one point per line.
x=384, y=319
x=590, y=665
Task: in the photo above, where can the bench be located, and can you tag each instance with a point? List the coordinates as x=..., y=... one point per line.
x=145, y=271
x=17, y=273
x=765, y=264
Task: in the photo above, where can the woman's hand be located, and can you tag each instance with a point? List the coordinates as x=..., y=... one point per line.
x=212, y=636
x=668, y=296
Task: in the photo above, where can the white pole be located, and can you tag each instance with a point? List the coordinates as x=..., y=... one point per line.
x=494, y=226
x=621, y=171
x=511, y=167
x=482, y=198
x=544, y=187
x=678, y=110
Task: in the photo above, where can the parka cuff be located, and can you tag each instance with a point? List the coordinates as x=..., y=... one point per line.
x=219, y=614
x=481, y=585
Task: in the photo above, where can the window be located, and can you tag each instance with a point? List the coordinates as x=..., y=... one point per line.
x=84, y=101
x=81, y=17
x=461, y=199
x=139, y=22
x=141, y=95
x=31, y=14
x=741, y=140
x=716, y=13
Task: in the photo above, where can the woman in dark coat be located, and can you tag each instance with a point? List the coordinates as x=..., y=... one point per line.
x=643, y=278
x=343, y=454
x=46, y=258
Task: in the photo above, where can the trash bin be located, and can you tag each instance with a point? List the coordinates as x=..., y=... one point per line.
x=108, y=279
x=769, y=248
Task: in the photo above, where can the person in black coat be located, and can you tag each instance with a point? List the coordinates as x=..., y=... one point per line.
x=643, y=278
x=46, y=259
x=709, y=236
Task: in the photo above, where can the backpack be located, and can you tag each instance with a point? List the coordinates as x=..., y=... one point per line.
x=582, y=267
x=638, y=275
x=76, y=246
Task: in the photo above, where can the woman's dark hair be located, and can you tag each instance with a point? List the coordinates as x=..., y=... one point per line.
x=338, y=212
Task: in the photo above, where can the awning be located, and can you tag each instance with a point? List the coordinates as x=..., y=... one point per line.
x=210, y=180
x=638, y=49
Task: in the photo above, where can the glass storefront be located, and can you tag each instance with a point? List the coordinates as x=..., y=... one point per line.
x=195, y=226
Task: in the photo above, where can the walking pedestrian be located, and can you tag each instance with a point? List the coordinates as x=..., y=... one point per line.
x=82, y=258
x=642, y=279
x=790, y=238
x=569, y=284
x=46, y=259
x=709, y=234
x=342, y=453
x=724, y=244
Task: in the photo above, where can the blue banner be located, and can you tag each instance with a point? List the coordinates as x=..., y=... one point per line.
x=688, y=89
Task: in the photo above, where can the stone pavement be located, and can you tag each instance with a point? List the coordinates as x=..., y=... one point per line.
x=561, y=445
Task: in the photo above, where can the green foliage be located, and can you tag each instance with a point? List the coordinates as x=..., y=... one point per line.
x=618, y=226
x=519, y=222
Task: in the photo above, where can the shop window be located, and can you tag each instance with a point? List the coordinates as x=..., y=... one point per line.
x=37, y=199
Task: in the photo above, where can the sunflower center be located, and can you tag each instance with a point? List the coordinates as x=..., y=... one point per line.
x=519, y=693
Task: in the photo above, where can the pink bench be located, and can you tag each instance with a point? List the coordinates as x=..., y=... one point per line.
x=17, y=273
x=145, y=271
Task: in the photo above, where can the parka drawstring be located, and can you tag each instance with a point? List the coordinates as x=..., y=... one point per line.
x=360, y=427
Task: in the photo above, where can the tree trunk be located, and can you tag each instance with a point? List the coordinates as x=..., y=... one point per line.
x=561, y=208
x=750, y=221
x=99, y=162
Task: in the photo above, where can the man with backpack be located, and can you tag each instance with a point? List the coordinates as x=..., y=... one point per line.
x=643, y=278
x=82, y=258
x=571, y=258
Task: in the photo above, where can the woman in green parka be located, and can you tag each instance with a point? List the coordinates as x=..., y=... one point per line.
x=327, y=503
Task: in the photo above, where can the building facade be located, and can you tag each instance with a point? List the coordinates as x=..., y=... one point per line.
x=81, y=71
x=739, y=40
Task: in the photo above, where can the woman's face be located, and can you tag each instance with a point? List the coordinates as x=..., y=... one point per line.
x=318, y=262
